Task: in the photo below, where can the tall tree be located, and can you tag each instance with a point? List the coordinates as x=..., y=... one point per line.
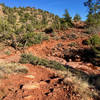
x=67, y=18
x=89, y=4
x=93, y=6
x=94, y=12
x=93, y=23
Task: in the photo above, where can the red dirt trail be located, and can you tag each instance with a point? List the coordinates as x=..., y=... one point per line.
x=39, y=83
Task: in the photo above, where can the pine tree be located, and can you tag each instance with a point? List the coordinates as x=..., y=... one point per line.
x=67, y=18
x=89, y=4
x=93, y=13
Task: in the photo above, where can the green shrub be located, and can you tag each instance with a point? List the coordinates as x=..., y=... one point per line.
x=71, y=36
x=26, y=58
x=64, y=26
x=7, y=53
x=56, y=65
x=34, y=38
x=94, y=42
x=29, y=58
x=93, y=29
x=93, y=20
x=4, y=26
x=77, y=18
x=29, y=28
x=73, y=44
x=20, y=30
x=12, y=19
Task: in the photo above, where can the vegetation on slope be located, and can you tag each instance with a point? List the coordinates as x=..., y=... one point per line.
x=71, y=77
x=94, y=43
x=93, y=27
x=77, y=17
x=29, y=58
x=93, y=17
x=9, y=68
x=21, y=27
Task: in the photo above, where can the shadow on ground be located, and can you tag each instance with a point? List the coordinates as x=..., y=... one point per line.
x=91, y=79
x=85, y=55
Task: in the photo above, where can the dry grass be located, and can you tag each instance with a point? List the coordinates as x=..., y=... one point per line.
x=2, y=46
x=83, y=88
x=9, y=68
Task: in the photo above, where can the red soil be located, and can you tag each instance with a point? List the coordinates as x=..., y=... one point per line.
x=40, y=83
x=44, y=86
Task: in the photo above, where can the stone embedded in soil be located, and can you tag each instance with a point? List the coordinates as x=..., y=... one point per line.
x=47, y=93
x=60, y=81
x=31, y=86
x=43, y=83
x=47, y=81
x=51, y=89
x=21, y=86
x=28, y=97
x=30, y=76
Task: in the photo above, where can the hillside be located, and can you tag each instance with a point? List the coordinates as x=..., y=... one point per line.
x=41, y=61
x=35, y=17
x=17, y=25
x=41, y=82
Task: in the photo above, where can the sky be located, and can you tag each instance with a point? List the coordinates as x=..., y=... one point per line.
x=54, y=6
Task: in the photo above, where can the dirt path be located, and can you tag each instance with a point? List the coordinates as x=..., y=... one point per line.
x=44, y=49
x=39, y=84
x=40, y=50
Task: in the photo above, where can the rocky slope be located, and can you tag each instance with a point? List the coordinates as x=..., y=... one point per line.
x=42, y=83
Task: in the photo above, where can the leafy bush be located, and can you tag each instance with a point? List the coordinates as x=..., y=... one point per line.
x=29, y=58
x=29, y=28
x=5, y=10
x=77, y=18
x=12, y=19
x=64, y=26
x=26, y=58
x=71, y=36
x=7, y=53
x=20, y=30
x=4, y=26
x=73, y=44
x=29, y=39
x=93, y=29
x=34, y=38
x=94, y=42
